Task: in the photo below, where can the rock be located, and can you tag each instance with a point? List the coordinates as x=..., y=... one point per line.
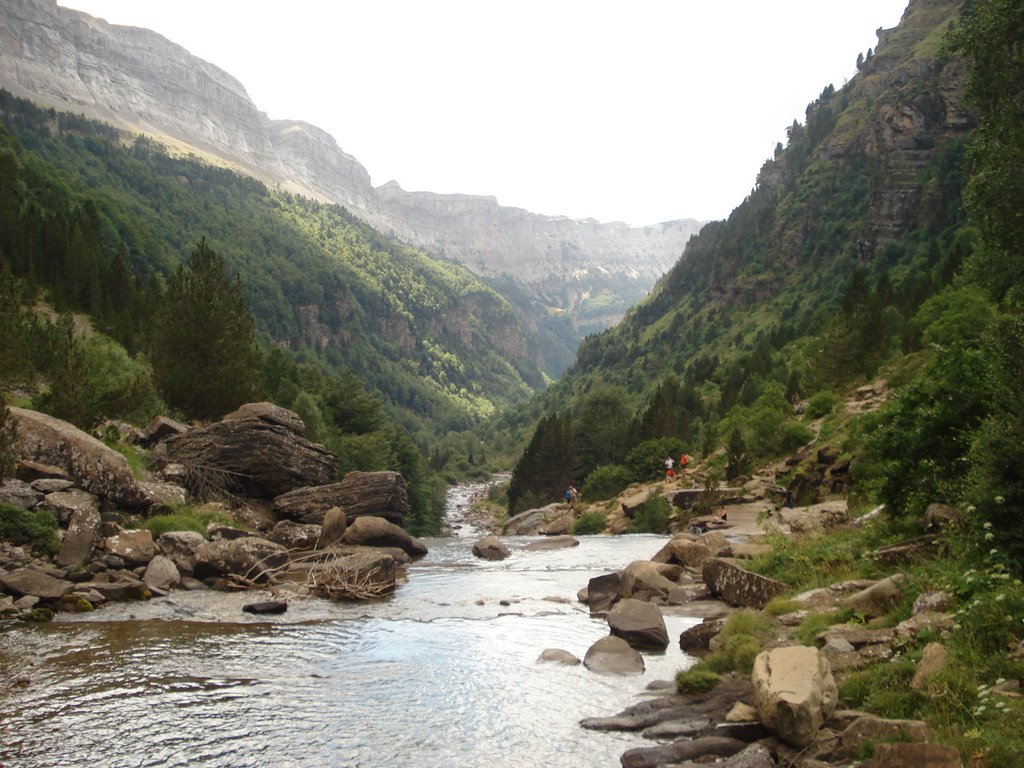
x=221, y=532
x=928, y=602
x=741, y=713
x=794, y=692
x=180, y=548
x=18, y=493
x=683, y=550
x=490, y=548
x=161, y=573
x=604, y=591
x=909, y=551
x=638, y=623
x=915, y=756
x=878, y=599
x=751, y=551
x=30, y=471
x=48, y=485
x=66, y=503
x=530, y=522
x=552, y=542
x=160, y=428
x=613, y=656
x=356, y=576
x=754, y=756
x=877, y=729
x=678, y=751
x=296, y=536
x=27, y=581
x=699, y=636
x=933, y=660
x=360, y=494
x=135, y=547
x=558, y=656
x=939, y=516
x=829, y=514
x=249, y=557
x=267, y=607
x=270, y=414
x=82, y=534
x=560, y=526
x=334, y=526
x=644, y=577
x=377, y=532
x=858, y=637
x=96, y=468
x=249, y=455
x=115, y=591
x=739, y=587
x=915, y=625
x=164, y=496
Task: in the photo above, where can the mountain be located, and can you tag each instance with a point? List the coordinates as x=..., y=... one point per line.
x=585, y=270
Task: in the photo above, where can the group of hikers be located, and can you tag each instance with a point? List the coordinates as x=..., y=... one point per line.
x=670, y=466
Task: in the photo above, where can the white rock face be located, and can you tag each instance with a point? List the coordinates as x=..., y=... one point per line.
x=136, y=79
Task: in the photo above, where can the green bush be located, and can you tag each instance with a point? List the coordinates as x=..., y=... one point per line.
x=821, y=404
x=183, y=520
x=795, y=434
x=696, y=679
x=652, y=516
x=647, y=460
x=36, y=528
x=606, y=482
x=591, y=522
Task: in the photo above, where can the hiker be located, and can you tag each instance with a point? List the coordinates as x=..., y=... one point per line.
x=669, y=472
x=570, y=496
x=683, y=461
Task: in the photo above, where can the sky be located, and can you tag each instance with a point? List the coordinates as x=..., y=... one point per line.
x=638, y=111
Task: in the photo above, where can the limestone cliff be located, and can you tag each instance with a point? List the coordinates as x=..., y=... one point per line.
x=136, y=79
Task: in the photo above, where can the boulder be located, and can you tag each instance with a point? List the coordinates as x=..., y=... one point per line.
x=18, y=493
x=878, y=599
x=161, y=573
x=558, y=656
x=939, y=516
x=29, y=471
x=252, y=454
x=828, y=514
x=683, y=550
x=266, y=608
x=638, y=623
x=698, y=751
x=560, y=526
x=875, y=729
x=82, y=534
x=552, y=542
x=27, y=581
x=604, y=591
x=933, y=660
x=754, y=756
x=180, y=548
x=699, y=636
x=249, y=557
x=160, y=428
x=740, y=587
x=356, y=576
x=96, y=468
x=915, y=756
x=115, y=591
x=644, y=578
x=360, y=494
x=614, y=656
x=794, y=692
x=66, y=503
x=135, y=547
x=373, y=531
x=270, y=414
x=163, y=496
x=490, y=548
x=296, y=536
x=333, y=529
x=530, y=522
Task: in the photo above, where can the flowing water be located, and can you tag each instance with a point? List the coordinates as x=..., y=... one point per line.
x=445, y=673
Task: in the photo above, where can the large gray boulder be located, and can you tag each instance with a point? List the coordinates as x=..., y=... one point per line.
x=161, y=573
x=296, y=536
x=82, y=534
x=530, y=522
x=96, y=468
x=379, y=494
x=490, y=548
x=180, y=548
x=604, y=591
x=644, y=579
x=355, y=576
x=794, y=692
x=614, y=656
x=135, y=547
x=639, y=623
x=739, y=587
x=67, y=502
x=255, y=452
x=250, y=557
x=27, y=581
x=378, y=532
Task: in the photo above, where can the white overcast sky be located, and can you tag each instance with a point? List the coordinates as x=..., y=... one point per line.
x=634, y=110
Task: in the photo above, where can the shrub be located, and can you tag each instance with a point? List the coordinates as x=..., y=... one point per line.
x=36, y=528
x=184, y=519
x=606, y=482
x=821, y=404
x=795, y=434
x=652, y=516
x=696, y=679
x=647, y=460
x=590, y=523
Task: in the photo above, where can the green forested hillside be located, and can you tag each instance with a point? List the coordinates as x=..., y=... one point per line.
x=882, y=240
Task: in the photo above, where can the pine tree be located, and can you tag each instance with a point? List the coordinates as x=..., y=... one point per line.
x=204, y=357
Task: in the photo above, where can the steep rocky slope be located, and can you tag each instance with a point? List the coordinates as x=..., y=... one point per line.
x=137, y=79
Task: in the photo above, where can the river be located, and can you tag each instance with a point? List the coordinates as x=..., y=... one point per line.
x=445, y=673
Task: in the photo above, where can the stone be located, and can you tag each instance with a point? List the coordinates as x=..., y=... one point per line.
x=552, y=542
x=683, y=550
x=48, y=485
x=135, y=547
x=377, y=532
x=939, y=516
x=333, y=529
x=249, y=557
x=677, y=729
x=96, y=468
x=180, y=548
x=270, y=414
x=164, y=496
x=18, y=493
x=829, y=514
x=530, y=522
x=356, y=576
x=910, y=628
x=794, y=692
x=878, y=599
x=558, y=656
x=251, y=455
x=161, y=573
x=933, y=660
x=754, y=756
x=30, y=471
x=490, y=548
x=560, y=526
x=877, y=729
x=604, y=591
x=296, y=536
x=81, y=536
x=738, y=587
x=119, y=590
x=699, y=636
x=678, y=751
x=915, y=756
x=28, y=581
x=638, y=623
x=160, y=428
x=741, y=713
x=613, y=656
x=643, y=576
x=927, y=602
x=360, y=494
x=267, y=607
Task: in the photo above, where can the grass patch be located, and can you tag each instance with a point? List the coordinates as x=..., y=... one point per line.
x=185, y=519
x=652, y=516
x=696, y=679
x=591, y=522
x=35, y=528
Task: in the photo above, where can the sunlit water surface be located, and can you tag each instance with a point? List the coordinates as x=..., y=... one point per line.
x=442, y=674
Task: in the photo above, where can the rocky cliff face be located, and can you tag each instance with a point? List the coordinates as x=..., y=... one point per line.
x=138, y=80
